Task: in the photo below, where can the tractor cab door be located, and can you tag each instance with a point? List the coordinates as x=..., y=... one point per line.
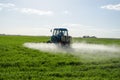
x=55, y=32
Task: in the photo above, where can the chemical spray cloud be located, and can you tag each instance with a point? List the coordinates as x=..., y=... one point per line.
x=83, y=50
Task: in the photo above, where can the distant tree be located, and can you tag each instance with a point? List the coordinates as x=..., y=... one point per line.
x=89, y=36
x=86, y=36
x=2, y=34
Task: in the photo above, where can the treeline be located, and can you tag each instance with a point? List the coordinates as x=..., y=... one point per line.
x=89, y=37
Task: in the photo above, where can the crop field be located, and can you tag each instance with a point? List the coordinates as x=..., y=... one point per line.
x=18, y=62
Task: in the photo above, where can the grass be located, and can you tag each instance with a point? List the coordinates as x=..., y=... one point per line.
x=20, y=63
x=105, y=41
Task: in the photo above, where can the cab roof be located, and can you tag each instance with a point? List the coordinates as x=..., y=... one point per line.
x=64, y=29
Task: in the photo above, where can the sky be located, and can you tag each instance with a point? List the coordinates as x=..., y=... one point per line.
x=100, y=18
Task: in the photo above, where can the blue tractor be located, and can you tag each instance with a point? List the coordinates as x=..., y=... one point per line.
x=60, y=36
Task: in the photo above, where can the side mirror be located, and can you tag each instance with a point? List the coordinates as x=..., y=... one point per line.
x=51, y=30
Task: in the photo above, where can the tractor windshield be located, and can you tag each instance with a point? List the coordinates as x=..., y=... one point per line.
x=60, y=32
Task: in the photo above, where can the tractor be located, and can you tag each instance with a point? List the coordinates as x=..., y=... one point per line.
x=60, y=36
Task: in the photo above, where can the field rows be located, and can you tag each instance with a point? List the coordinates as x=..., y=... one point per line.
x=20, y=63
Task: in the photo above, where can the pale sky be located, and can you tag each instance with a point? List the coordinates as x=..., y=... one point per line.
x=100, y=18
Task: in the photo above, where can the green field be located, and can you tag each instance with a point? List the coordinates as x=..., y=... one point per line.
x=20, y=63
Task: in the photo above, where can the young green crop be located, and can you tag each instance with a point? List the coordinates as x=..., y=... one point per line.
x=20, y=63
